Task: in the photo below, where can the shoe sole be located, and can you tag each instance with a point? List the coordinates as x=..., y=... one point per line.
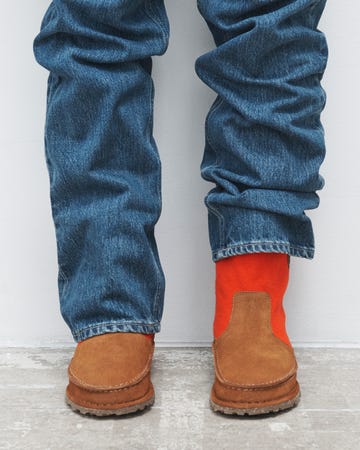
x=258, y=410
x=110, y=412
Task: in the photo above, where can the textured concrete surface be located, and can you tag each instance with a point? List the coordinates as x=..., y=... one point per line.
x=34, y=415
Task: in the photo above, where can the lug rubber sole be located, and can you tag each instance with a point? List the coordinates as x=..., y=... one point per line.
x=110, y=412
x=258, y=410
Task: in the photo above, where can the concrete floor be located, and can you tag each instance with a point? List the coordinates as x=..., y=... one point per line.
x=34, y=415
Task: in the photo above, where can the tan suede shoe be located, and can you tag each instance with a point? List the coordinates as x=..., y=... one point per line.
x=110, y=374
x=255, y=371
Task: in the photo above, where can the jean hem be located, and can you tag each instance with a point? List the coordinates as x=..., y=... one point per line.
x=114, y=327
x=266, y=247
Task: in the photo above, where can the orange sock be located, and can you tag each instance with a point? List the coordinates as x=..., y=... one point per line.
x=150, y=336
x=267, y=272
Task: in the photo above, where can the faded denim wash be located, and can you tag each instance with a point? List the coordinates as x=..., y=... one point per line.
x=264, y=144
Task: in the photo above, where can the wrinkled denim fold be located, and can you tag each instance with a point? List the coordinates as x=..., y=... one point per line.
x=264, y=138
x=264, y=144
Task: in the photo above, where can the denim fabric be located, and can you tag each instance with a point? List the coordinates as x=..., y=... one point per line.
x=264, y=144
x=264, y=139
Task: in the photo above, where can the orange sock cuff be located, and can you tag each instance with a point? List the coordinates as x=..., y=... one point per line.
x=267, y=272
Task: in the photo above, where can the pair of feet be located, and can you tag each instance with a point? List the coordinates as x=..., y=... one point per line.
x=255, y=370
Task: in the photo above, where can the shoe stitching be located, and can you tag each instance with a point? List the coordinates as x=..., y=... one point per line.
x=268, y=383
x=107, y=404
x=127, y=384
x=106, y=391
x=261, y=387
x=259, y=401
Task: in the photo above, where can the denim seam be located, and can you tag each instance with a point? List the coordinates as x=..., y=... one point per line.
x=158, y=290
x=266, y=242
x=63, y=281
x=264, y=246
x=149, y=11
x=159, y=199
x=218, y=101
x=157, y=293
x=158, y=188
x=118, y=323
x=221, y=223
x=217, y=213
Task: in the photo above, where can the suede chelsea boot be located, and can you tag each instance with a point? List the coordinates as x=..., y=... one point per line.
x=255, y=371
x=110, y=374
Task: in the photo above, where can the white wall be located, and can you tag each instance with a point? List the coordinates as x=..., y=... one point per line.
x=322, y=302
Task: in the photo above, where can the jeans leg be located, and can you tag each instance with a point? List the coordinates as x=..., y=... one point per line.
x=264, y=139
x=103, y=163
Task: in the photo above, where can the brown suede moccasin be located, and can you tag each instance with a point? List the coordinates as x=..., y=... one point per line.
x=255, y=371
x=110, y=374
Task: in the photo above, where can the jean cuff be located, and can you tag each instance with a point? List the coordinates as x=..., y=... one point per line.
x=263, y=246
x=114, y=327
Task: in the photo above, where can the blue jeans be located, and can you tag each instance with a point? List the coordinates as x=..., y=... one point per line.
x=264, y=144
